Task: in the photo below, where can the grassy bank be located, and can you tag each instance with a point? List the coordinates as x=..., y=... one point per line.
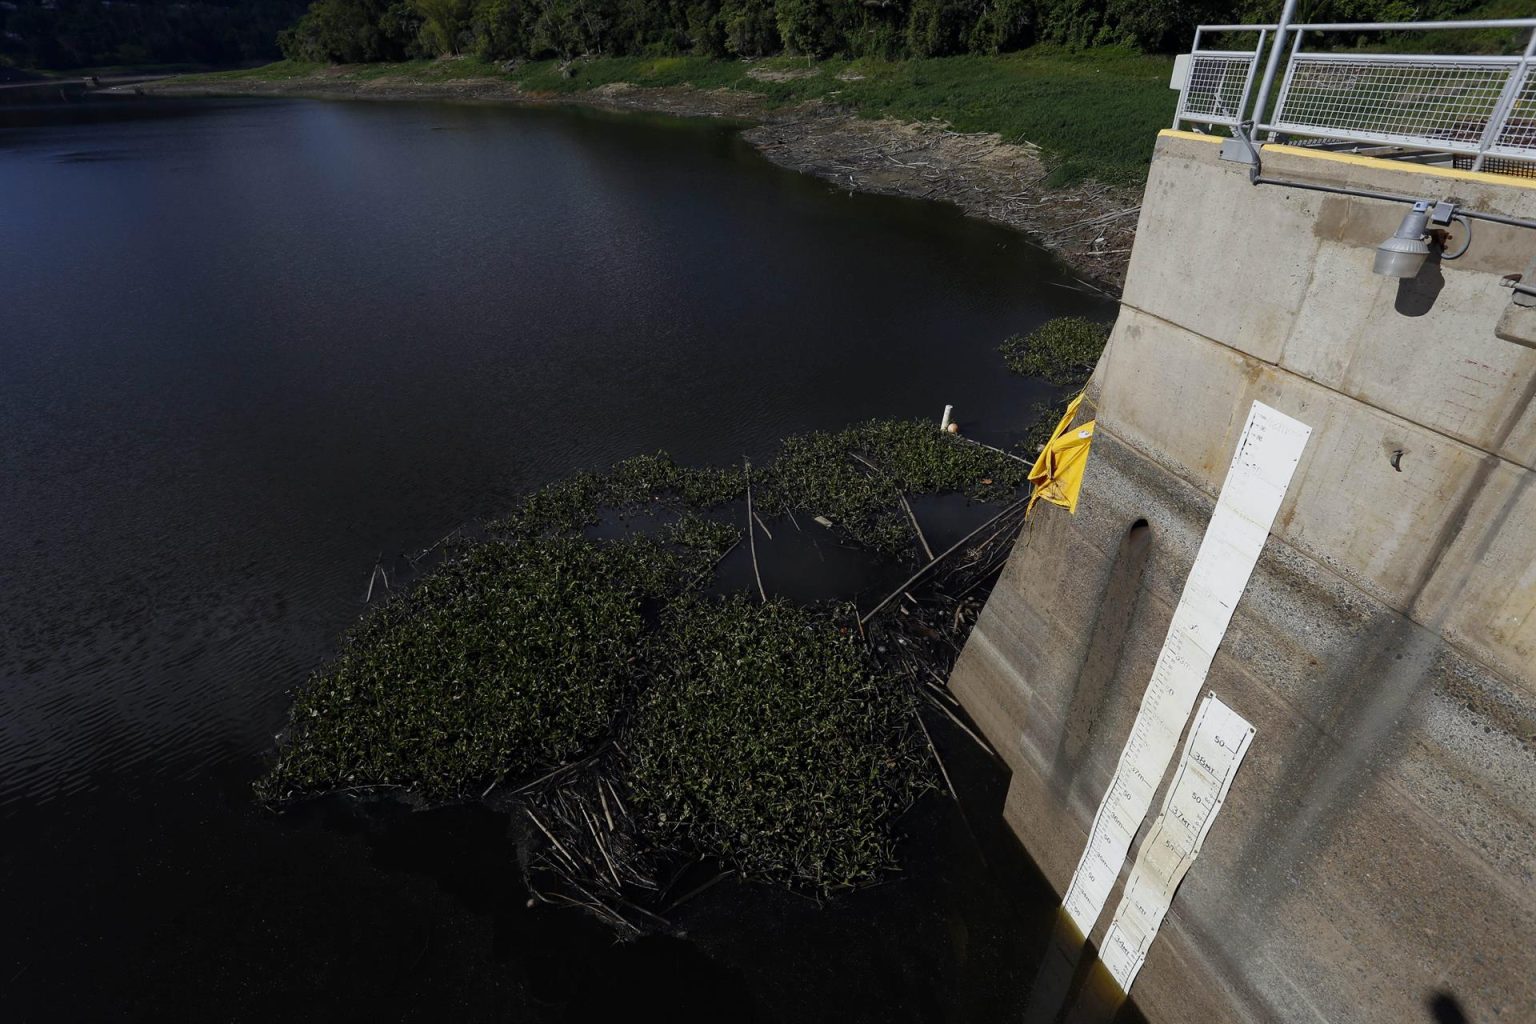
x=1093, y=113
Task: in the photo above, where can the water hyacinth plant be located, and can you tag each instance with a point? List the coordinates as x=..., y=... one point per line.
x=750, y=731
x=774, y=743
x=856, y=477
x=511, y=657
x=1063, y=351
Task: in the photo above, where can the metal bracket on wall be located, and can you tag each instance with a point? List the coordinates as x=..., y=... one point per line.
x=1238, y=151
x=1518, y=322
x=1525, y=296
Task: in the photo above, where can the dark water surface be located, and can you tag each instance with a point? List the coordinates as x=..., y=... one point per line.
x=247, y=348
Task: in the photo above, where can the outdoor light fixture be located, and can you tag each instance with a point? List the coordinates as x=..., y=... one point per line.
x=1404, y=253
x=1424, y=227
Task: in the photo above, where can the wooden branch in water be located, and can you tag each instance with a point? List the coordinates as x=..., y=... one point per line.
x=1021, y=503
x=706, y=573
x=915, y=528
x=378, y=570
x=937, y=687
x=592, y=827
x=551, y=836
x=440, y=542
x=616, y=800
x=911, y=517
x=690, y=894
x=1016, y=458
x=936, y=758
x=956, y=719
x=572, y=766
x=752, y=537
x=979, y=580
x=866, y=462
x=604, y=801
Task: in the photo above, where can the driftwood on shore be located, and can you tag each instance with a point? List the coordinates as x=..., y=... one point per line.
x=1089, y=225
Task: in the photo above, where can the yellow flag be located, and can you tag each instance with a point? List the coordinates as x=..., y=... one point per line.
x=1058, y=472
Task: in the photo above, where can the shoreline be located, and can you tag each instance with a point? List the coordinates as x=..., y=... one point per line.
x=1089, y=226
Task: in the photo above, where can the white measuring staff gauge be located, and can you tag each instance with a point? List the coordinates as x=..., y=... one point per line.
x=1216, y=745
x=1267, y=454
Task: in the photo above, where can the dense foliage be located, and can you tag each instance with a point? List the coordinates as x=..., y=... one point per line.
x=773, y=744
x=819, y=473
x=890, y=29
x=97, y=33
x=509, y=658
x=1062, y=351
x=854, y=476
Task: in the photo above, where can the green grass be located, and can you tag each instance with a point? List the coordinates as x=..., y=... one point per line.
x=1095, y=113
x=277, y=71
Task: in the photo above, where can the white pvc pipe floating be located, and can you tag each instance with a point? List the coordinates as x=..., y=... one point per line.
x=944, y=423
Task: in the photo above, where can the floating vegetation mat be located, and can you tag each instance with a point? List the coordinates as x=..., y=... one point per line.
x=638, y=725
x=1062, y=351
x=775, y=743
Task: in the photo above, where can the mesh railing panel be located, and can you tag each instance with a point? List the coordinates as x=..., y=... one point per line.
x=1518, y=136
x=1215, y=90
x=1416, y=101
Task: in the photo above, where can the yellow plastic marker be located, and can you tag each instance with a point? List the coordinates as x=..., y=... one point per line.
x=1058, y=472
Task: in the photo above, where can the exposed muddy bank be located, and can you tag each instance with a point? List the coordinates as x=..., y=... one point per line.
x=1089, y=226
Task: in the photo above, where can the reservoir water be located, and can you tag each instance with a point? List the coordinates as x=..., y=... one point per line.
x=248, y=349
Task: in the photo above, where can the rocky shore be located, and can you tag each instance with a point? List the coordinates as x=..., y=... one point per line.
x=1089, y=226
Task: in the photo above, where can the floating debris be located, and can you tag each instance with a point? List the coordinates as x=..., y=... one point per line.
x=638, y=728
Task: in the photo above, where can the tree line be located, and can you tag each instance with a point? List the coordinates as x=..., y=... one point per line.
x=354, y=31
x=93, y=33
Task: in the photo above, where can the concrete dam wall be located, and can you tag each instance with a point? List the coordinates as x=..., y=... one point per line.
x=1376, y=857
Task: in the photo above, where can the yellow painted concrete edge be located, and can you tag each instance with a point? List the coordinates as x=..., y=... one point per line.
x=1484, y=177
x=1175, y=133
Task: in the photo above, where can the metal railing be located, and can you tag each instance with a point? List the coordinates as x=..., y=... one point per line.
x=1474, y=107
x=1217, y=82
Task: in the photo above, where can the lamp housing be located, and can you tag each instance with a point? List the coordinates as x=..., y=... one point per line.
x=1403, y=254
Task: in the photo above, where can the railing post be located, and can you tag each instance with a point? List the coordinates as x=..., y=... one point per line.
x=1276, y=55
x=1506, y=104
x=1242, y=103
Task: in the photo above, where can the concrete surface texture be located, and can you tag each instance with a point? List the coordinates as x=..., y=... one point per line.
x=1376, y=860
